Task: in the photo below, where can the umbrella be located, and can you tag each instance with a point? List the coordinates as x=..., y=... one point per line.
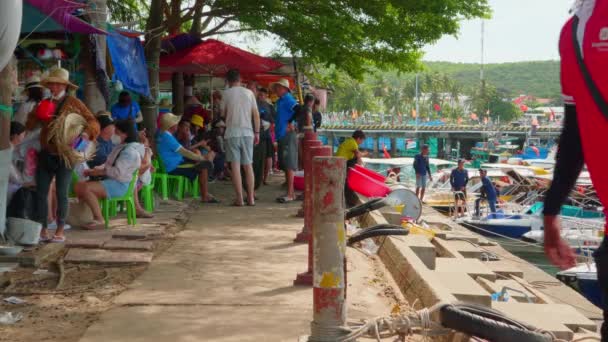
x=215, y=58
x=54, y=16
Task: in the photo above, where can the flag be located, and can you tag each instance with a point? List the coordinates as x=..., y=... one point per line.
x=385, y=152
x=552, y=115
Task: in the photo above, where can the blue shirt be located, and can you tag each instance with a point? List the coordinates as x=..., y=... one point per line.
x=285, y=113
x=167, y=147
x=102, y=151
x=421, y=165
x=488, y=188
x=123, y=113
x=459, y=179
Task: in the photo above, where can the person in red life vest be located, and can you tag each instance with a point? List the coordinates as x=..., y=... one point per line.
x=584, y=78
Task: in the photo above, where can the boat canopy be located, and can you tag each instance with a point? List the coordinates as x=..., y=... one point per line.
x=395, y=162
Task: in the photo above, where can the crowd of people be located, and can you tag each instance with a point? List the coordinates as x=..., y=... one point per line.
x=62, y=150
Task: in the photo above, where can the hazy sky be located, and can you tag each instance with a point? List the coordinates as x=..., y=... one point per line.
x=520, y=30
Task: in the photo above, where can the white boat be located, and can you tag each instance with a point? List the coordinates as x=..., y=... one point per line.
x=500, y=224
x=585, y=277
x=582, y=241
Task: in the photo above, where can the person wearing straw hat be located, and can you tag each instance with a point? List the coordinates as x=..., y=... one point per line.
x=286, y=135
x=35, y=93
x=180, y=161
x=54, y=159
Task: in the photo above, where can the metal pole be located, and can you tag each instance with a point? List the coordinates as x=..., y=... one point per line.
x=313, y=151
x=329, y=244
x=307, y=143
x=417, y=103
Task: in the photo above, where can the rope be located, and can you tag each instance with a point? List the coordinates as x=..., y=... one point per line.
x=7, y=111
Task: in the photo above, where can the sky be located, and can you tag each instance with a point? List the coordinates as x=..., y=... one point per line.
x=519, y=30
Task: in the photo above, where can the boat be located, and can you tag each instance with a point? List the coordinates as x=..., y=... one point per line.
x=503, y=224
x=584, y=241
x=583, y=277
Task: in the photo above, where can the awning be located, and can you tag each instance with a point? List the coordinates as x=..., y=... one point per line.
x=54, y=16
x=129, y=62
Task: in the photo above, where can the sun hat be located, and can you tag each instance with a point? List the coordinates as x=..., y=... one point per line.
x=169, y=120
x=283, y=82
x=33, y=82
x=197, y=120
x=58, y=75
x=165, y=104
x=63, y=131
x=104, y=121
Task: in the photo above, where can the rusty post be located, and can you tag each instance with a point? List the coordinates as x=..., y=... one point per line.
x=304, y=235
x=306, y=277
x=329, y=246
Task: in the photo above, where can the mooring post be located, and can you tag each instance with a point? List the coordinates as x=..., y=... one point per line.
x=329, y=246
x=304, y=235
x=315, y=151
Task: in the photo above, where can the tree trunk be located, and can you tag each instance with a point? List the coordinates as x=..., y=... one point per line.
x=152, y=49
x=93, y=97
x=177, y=88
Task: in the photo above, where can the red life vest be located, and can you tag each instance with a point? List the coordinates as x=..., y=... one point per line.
x=592, y=34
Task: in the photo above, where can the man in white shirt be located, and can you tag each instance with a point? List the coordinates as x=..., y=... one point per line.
x=240, y=110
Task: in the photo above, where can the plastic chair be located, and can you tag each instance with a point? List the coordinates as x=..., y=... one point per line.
x=160, y=180
x=146, y=194
x=109, y=206
x=176, y=183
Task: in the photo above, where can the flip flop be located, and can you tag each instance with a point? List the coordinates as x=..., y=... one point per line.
x=57, y=239
x=45, y=239
x=251, y=204
x=212, y=200
x=284, y=199
x=237, y=204
x=94, y=225
x=144, y=214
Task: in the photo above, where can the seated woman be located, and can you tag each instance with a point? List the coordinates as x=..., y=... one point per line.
x=180, y=161
x=145, y=173
x=118, y=171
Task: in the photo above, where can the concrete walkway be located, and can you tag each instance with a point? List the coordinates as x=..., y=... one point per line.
x=228, y=277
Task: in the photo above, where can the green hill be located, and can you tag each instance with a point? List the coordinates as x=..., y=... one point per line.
x=540, y=79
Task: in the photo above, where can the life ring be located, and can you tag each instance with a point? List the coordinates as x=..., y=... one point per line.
x=11, y=12
x=488, y=324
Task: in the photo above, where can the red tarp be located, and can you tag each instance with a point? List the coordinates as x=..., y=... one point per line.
x=212, y=57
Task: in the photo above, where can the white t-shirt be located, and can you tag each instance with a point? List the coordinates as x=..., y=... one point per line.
x=238, y=104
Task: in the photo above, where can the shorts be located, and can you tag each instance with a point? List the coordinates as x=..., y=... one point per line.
x=421, y=181
x=460, y=195
x=115, y=188
x=288, y=152
x=239, y=150
x=191, y=169
x=269, y=145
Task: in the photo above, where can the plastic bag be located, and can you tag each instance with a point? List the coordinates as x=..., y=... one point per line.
x=23, y=204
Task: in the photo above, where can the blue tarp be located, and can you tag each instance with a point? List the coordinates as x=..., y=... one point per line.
x=129, y=63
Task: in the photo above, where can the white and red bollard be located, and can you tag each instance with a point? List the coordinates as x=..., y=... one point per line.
x=329, y=247
x=304, y=235
x=317, y=151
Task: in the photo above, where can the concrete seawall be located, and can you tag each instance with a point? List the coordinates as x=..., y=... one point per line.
x=455, y=266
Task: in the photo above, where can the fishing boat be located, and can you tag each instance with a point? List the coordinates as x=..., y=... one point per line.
x=583, y=277
x=503, y=224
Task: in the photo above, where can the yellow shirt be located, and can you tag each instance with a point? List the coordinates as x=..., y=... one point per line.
x=347, y=149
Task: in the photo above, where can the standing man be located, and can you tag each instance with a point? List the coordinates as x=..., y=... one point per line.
x=583, y=141
x=286, y=135
x=488, y=192
x=126, y=109
x=242, y=133
x=458, y=180
x=317, y=117
x=422, y=169
x=267, y=115
x=349, y=150
x=260, y=150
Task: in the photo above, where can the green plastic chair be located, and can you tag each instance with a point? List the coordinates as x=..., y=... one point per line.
x=146, y=194
x=160, y=180
x=109, y=206
x=71, y=192
x=176, y=184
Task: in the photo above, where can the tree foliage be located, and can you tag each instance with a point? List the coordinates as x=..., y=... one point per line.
x=348, y=34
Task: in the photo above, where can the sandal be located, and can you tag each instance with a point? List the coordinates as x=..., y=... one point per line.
x=94, y=225
x=58, y=239
x=284, y=199
x=211, y=200
x=45, y=239
x=144, y=214
x=237, y=204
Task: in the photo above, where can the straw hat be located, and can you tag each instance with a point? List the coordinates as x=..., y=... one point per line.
x=58, y=75
x=169, y=120
x=63, y=131
x=165, y=104
x=283, y=82
x=33, y=82
x=197, y=120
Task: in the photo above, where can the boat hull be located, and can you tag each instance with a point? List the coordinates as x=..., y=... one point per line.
x=493, y=229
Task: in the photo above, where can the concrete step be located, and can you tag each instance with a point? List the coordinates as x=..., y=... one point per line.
x=115, y=244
